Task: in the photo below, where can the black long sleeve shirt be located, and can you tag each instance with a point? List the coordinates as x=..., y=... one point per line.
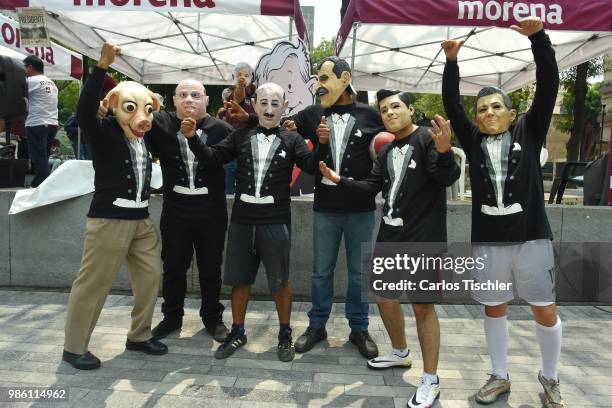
x=263, y=171
x=351, y=153
x=522, y=217
x=192, y=189
x=123, y=168
x=413, y=177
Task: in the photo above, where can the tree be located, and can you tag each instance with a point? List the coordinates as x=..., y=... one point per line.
x=574, y=81
x=326, y=48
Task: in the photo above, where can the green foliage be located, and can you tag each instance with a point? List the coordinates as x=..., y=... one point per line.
x=67, y=99
x=325, y=49
x=592, y=105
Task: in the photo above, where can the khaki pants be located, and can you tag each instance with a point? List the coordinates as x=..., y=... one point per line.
x=108, y=243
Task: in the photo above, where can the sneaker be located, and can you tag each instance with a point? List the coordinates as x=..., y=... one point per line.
x=218, y=332
x=309, y=339
x=491, y=391
x=285, y=349
x=552, y=392
x=425, y=395
x=166, y=327
x=232, y=343
x=390, y=360
x=364, y=343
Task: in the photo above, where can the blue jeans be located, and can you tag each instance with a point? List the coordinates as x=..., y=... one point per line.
x=39, y=147
x=328, y=229
x=230, y=177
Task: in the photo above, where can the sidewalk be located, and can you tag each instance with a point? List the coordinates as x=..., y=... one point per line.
x=334, y=375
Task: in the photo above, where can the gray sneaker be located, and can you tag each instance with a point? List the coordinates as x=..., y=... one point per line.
x=552, y=392
x=491, y=391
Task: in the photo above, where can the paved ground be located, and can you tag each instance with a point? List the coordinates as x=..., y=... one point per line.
x=31, y=337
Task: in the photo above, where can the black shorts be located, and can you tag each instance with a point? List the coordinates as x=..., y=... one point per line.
x=248, y=245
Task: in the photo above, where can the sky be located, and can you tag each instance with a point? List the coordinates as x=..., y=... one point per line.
x=327, y=18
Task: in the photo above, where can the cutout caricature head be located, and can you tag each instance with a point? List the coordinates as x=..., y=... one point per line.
x=269, y=104
x=333, y=79
x=288, y=65
x=494, y=112
x=190, y=99
x=395, y=109
x=133, y=106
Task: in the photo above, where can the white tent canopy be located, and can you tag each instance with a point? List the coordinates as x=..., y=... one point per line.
x=167, y=44
x=408, y=56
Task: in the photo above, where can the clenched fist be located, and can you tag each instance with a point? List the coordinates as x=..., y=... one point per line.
x=323, y=131
x=188, y=127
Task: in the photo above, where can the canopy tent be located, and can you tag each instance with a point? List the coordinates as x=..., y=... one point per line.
x=60, y=63
x=395, y=44
x=164, y=41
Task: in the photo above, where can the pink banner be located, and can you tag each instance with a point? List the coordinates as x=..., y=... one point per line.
x=254, y=7
x=584, y=15
x=59, y=62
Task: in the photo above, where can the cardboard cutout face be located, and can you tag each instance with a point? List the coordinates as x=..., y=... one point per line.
x=190, y=100
x=133, y=105
x=270, y=105
x=395, y=114
x=329, y=87
x=492, y=115
x=288, y=65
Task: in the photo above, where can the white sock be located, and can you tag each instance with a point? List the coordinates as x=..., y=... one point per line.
x=400, y=352
x=550, y=348
x=430, y=378
x=496, y=331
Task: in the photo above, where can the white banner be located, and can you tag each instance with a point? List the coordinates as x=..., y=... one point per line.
x=60, y=63
x=202, y=6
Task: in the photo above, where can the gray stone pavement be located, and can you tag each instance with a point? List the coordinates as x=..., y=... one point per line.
x=331, y=375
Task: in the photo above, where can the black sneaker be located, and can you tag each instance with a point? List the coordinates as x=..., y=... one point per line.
x=364, y=343
x=232, y=343
x=166, y=327
x=218, y=332
x=309, y=339
x=285, y=350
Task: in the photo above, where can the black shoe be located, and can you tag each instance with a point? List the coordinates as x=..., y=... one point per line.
x=232, y=343
x=218, y=332
x=309, y=339
x=85, y=361
x=154, y=347
x=285, y=350
x=166, y=327
x=364, y=343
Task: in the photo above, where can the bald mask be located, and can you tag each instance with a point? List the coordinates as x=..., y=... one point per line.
x=190, y=100
x=395, y=114
x=133, y=105
x=270, y=104
x=329, y=87
x=492, y=115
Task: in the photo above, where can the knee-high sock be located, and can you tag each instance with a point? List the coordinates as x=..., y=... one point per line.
x=550, y=348
x=496, y=331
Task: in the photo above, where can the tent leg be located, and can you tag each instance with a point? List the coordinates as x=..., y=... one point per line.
x=353, y=51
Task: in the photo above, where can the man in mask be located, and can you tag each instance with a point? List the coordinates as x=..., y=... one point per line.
x=509, y=224
x=412, y=172
x=118, y=226
x=350, y=128
x=194, y=214
x=260, y=229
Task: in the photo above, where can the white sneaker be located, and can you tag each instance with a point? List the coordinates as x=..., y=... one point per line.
x=390, y=360
x=425, y=395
